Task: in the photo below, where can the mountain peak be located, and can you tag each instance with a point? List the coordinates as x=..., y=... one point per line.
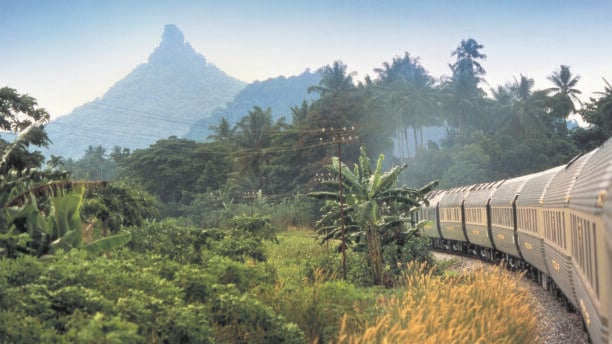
x=172, y=36
x=173, y=47
x=161, y=98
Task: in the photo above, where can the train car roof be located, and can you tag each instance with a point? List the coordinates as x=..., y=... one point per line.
x=590, y=189
x=481, y=193
x=558, y=193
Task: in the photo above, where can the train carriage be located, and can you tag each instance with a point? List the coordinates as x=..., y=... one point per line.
x=557, y=235
x=589, y=255
x=530, y=218
x=607, y=218
x=451, y=214
x=476, y=209
x=430, y=212
x=503, y=227
x=559, y=221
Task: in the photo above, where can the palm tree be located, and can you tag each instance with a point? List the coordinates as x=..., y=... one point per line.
x=222, y=132
x=299, y=114
x=598, y=111
x=375, y=208
x=253, y=137
x=55, y=162
x=564, y=85
x=464, y=95
x=335, y=80
x=467, y=54
x=528, y=109
x=409, y=90
x=565, y=92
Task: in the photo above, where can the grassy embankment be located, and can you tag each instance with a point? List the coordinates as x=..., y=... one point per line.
x=481, y=306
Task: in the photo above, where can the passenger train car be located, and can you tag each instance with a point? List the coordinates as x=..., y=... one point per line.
x=557, y=224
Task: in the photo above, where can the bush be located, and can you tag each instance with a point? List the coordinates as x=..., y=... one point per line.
x=317, y=307
x=244, y=319
x=102, y=328
x=416, y=249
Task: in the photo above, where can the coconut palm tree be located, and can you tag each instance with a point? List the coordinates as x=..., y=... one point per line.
x=565, y=95
x=334, y=81
x=222, y=132
x=408, y=91
x=468, y=53
x=565, y=84
x=253, y=135
x=464, y=97
x=528, y=108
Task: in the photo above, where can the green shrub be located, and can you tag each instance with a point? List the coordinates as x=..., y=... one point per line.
x=17, y=327
x=189, y=324
x=244, y=319
x=102, y=328
x=416, y=249
x=318, y=307
x=21, y=270
x=70, y=298
x=242, y=276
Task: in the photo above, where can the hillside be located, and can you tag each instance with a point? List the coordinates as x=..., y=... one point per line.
x=279, y=94
x=160, y=98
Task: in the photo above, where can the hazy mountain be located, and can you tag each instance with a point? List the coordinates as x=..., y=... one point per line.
x=163, y=97
x=279, y=94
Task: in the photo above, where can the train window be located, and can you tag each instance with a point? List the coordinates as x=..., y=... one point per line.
x=473, y=215
x=450, y=214
x=554, y=224
x=502, y=216
x=584, y=248
x=533, y=220
x=594, y=253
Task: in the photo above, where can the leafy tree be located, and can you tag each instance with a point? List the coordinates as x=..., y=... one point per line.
x=598, y=113
x=117, y=206
x=173, y=168
x=119, y=154
x=376, y=211
x=55, y=162
x=19, y=113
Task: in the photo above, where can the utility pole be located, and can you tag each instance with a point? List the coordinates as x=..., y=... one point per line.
x=340, y=136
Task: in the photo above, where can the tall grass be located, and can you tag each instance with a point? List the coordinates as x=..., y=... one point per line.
x=310, y=292
x=482, y=306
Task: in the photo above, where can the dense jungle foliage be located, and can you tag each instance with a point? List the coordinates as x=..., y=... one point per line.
x=196, y=242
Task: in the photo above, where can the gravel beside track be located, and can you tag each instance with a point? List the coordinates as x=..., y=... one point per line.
x=556, y=326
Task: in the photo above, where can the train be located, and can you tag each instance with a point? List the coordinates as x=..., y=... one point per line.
x=555, y=224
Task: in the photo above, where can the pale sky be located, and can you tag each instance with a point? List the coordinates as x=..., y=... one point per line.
x=65, y=53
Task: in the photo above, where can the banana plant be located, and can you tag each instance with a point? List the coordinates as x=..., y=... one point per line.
x=40, y=230
x=375, y=212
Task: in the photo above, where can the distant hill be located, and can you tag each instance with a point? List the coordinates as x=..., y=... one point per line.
x=165, y=96
x=279, y=94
